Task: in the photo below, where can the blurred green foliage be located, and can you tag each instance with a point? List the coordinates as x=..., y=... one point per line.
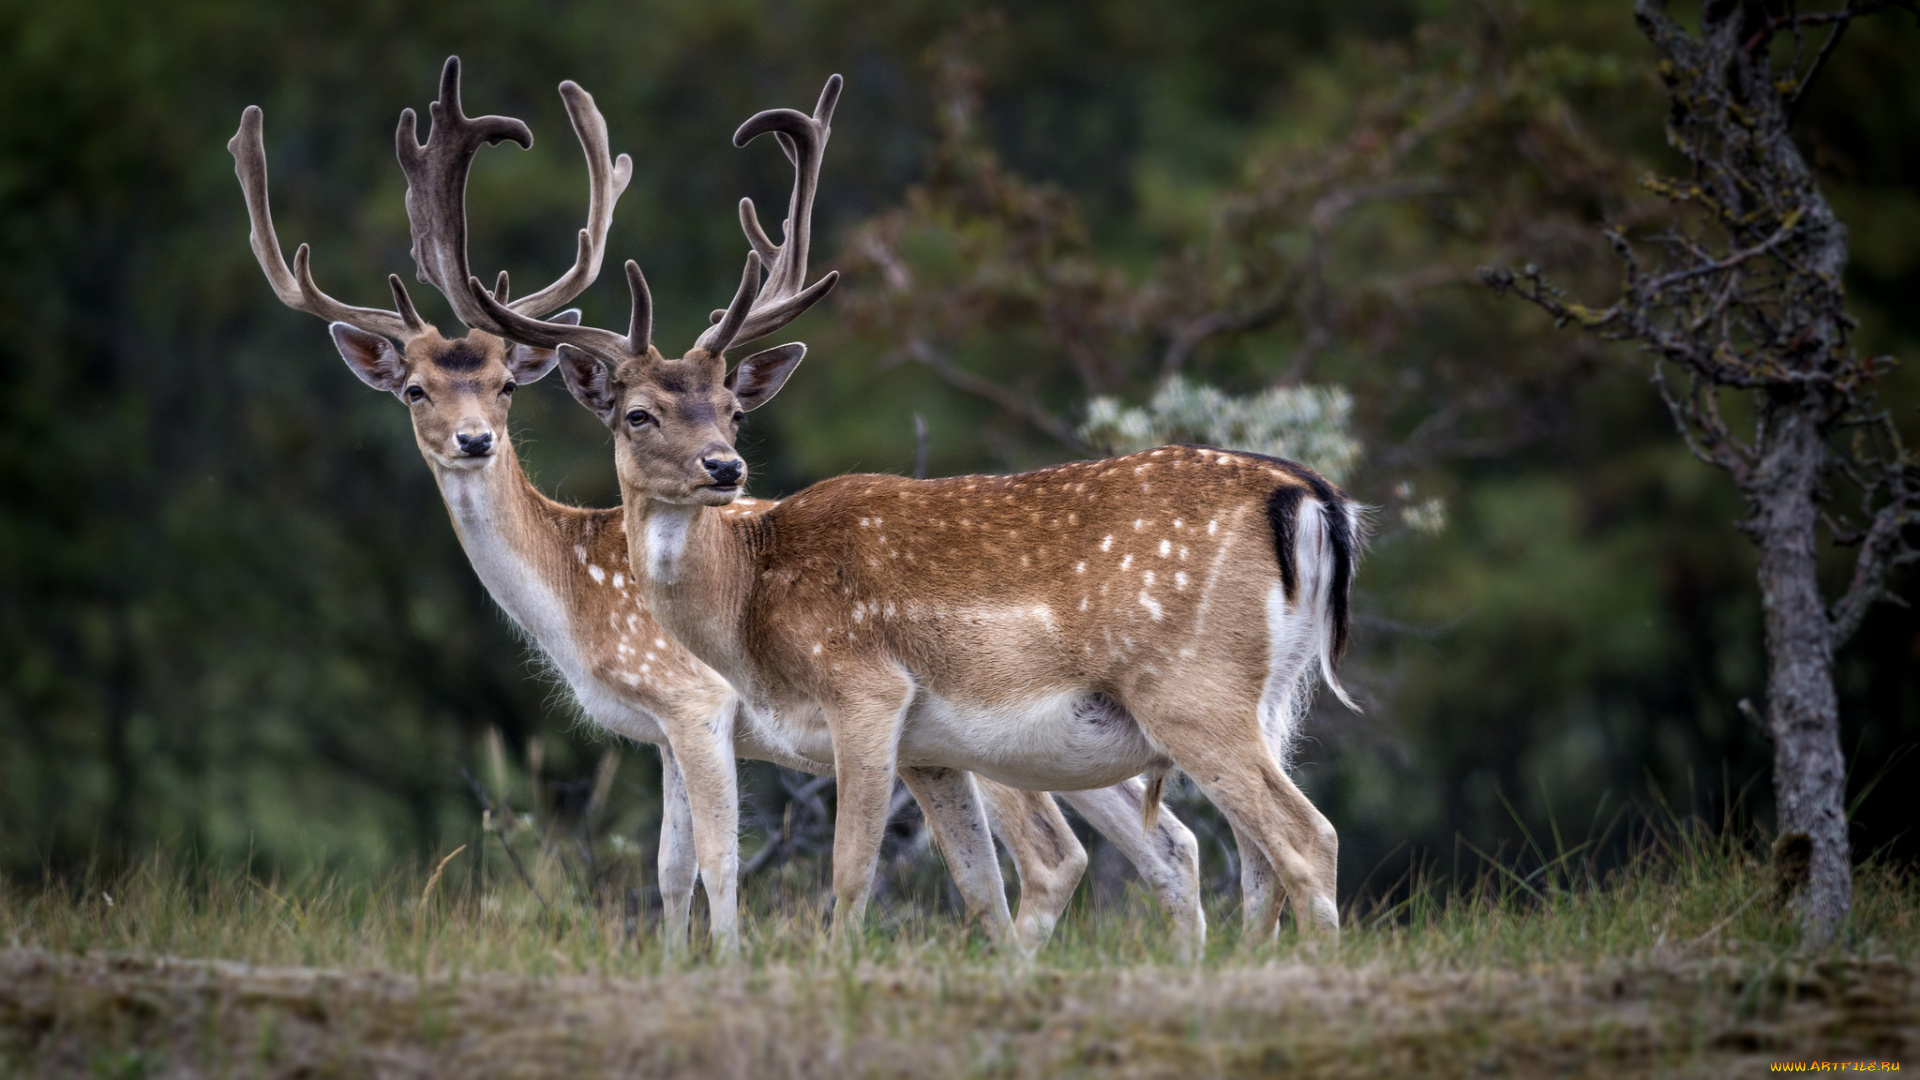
x=233, y=618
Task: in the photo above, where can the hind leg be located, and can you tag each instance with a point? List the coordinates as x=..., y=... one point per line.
x=1260, y=892
x=1168, y=857
x=1047, y=855
x=1225, y=752
x=953, y=812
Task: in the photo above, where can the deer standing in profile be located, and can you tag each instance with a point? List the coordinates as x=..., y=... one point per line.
x=1058, y=629
x=562, y=572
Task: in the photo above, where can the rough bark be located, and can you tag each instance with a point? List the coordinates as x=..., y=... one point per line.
x=1803, y=715
x=1751, y=301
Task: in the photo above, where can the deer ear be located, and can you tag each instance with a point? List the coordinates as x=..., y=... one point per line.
x=371, y=356
x=761, y=375
x=530, y=363
x=589, y=381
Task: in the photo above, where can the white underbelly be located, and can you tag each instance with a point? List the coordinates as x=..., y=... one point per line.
x=1063, y=742
x=795, y=738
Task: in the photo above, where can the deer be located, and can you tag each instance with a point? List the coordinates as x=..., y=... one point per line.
x=1172, y=609
x=562, y=573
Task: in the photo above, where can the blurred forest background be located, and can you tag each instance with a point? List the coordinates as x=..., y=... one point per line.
x=234, y=620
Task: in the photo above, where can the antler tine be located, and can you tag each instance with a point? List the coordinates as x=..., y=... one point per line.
x=607, y=178
x=786, y=295
x=437, y=187
x=605, y=344
x=295, y=287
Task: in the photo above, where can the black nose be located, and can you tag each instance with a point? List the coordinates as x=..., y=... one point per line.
x=475, y=445
x=725, y=473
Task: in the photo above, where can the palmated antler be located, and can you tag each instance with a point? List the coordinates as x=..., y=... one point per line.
x=437, y=184
x=296, y=288
x=758, y=308
x=785, y=294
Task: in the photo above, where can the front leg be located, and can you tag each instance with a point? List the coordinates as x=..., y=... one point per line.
x=948, y=802
x=702, y=745
x=865, y=723
x=677, y=866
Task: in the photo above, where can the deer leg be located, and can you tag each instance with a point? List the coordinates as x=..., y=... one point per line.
x=1260, y=892
x=704, y=751
x=1234, y=767
x=1168, y=858
x=866, y=736
x=1047, y=855
x=677, y=866
x=948, y=800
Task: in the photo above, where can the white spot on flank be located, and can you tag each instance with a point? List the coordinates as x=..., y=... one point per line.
x=1166, y=548
x=1106, y=542
x=1083, y=603
x=1176, y=523
x=1213, y=526
x=580, y=552
x=619, y=580
x=1149, y=578
x=816, y=648
x=1080, y=567
x=1137, y=523
x=1180, y=579
x=598, y=575
x=659, y=643
x=1126, y=561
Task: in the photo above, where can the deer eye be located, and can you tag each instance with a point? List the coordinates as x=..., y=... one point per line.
x=637, y=417
x=508, y=389
x=414, y=393
x=737, y=417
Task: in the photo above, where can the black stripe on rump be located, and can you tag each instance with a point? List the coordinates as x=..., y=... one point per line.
x=1283, y=511
x=1333, y=510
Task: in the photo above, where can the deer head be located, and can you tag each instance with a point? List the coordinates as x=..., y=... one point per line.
x=457, y=390
x=675, y=421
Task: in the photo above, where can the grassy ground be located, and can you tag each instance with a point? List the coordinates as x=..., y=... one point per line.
x=1679, y=964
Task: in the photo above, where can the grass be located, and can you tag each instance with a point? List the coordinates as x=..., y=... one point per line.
x=1678, y=963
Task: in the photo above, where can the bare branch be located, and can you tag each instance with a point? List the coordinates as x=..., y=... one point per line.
x=988, y=390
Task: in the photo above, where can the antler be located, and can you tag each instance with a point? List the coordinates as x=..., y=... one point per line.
x=436, y=194
x=296, y=288
x=501, y=319
x=785, y=295
x=758, y=309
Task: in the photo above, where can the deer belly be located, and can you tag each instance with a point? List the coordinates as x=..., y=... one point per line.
x=1062, y=742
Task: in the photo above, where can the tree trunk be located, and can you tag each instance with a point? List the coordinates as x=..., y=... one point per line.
x=1809, y=774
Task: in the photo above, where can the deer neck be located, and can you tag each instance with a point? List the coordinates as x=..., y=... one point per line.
x=696, y=568
x=512, y=542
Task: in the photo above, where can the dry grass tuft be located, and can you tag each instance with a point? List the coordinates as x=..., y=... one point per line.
x=1678, y=964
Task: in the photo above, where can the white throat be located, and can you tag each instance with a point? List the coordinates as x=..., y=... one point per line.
x=474, y=500
x=668, y=525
